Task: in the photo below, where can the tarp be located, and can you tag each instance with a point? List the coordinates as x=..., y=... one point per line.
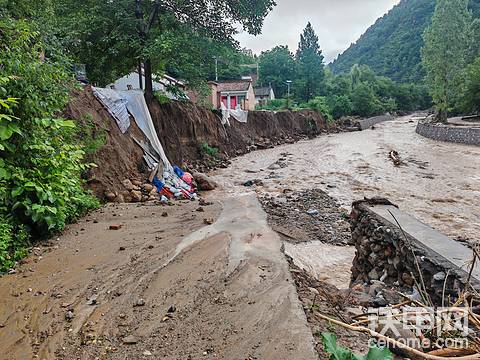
x=137, y=106
x=239, y=115
x=115, y=105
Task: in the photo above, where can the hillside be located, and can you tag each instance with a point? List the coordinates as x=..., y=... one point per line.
x=391, y=47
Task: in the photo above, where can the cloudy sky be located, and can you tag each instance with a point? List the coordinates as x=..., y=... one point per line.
x=338, y=23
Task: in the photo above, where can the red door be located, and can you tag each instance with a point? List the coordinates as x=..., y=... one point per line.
x=233, y=102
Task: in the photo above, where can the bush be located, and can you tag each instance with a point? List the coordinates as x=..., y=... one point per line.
x=321, y=105
x=471, y=98
x=209, y=150
x=274, y=105
x=40, y=161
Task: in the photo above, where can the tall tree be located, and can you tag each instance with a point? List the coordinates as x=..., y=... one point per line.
x=129, y=31
x=445, y=52
x=310, y=67
x=276, y=66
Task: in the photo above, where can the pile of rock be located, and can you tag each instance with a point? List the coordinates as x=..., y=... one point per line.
x=135, y=191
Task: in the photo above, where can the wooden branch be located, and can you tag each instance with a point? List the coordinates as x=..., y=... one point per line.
x=395, y=343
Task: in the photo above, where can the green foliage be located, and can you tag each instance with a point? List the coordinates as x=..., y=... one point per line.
x=337, y=352
x=111, y=37
x=276, y=66
x=40, y=163
x=444, y=56
x=471, y=98
x=205, y=148
x=392, y=46
x=320, y=104
x=274, y=105
x=310, y=69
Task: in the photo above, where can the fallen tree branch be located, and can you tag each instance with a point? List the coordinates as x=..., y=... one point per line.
x=395, y=343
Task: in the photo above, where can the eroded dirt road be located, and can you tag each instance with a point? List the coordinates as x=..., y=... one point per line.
x=166, y=287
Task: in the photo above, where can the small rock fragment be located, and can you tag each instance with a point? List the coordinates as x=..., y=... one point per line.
x=115, y=227
x=129, y=340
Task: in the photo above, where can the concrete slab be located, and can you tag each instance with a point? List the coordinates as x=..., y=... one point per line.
x=442, y=245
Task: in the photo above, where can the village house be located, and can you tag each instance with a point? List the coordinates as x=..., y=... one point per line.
x=263, y=95
x=233, y=94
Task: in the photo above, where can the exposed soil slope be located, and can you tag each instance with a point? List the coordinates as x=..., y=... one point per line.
x=120, y=157
x=183, y=127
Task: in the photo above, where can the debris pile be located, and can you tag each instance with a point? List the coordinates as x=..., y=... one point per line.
x=306, y=216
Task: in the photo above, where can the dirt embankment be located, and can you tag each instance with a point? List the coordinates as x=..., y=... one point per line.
x=118, y=156
x=183, y=127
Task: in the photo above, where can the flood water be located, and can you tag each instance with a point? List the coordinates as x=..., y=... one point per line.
x=438, y=184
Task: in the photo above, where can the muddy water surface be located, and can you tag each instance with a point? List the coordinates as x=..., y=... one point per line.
x=439, y=183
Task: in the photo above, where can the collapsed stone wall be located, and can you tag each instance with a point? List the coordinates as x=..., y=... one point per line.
x=385, y=253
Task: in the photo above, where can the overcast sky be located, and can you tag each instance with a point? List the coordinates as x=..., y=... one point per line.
x=338, y=23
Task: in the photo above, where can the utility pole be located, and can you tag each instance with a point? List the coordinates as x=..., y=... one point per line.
x=288, y=93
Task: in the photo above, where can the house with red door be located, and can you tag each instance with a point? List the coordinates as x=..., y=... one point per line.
x=233, y=94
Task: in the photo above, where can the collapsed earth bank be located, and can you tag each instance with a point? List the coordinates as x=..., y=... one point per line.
x=187, y=133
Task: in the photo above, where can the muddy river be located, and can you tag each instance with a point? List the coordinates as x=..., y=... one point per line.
x=439, y=183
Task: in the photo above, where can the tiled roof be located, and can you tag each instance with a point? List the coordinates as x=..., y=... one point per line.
x=262, y=91
x=236, y=85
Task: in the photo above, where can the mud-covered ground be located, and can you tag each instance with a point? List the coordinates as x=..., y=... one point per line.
x=213, y=282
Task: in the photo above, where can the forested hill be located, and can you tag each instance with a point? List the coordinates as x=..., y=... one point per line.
x=391, y=47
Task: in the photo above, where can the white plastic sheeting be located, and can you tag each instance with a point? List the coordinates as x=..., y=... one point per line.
x=239, y=115
x=115, y=105
x=137, y=106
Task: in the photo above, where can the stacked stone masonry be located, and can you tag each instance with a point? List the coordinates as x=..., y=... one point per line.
x=385, y=253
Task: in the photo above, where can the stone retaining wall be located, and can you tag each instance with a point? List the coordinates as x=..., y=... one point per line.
x=368, y=123
x=384, y=252
x=456, y=134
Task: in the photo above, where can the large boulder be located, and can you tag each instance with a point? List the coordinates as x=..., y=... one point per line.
x=204, y=182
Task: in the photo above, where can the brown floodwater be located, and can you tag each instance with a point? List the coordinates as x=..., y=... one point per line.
x=439, y=182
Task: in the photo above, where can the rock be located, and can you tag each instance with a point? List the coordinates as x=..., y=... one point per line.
x=440, y=276
x=69, y=315
x=110, y=196
x=274, y=166
x=408, y=279
x=129, y=340
x=202, y=202
x=136, y=195
x=120, y=199
x=204, y=182
x=115, y=227
x=164, y=214
x=92, y=300
x=147, y=353
x=136, y=183
x=172, y=309
x=208, y=221
x=128, y=184
x=148, y=187
x=139, y=302
x=373, y=275
x=200, y=209
x=313, y=291
x=312, y=212
x=121, y=248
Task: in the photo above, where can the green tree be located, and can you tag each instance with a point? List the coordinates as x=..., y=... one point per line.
x=276, y=66
x=310, y=67
x=364, y=101
x=121, y=34
x=445, y=52
x=471, y=98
